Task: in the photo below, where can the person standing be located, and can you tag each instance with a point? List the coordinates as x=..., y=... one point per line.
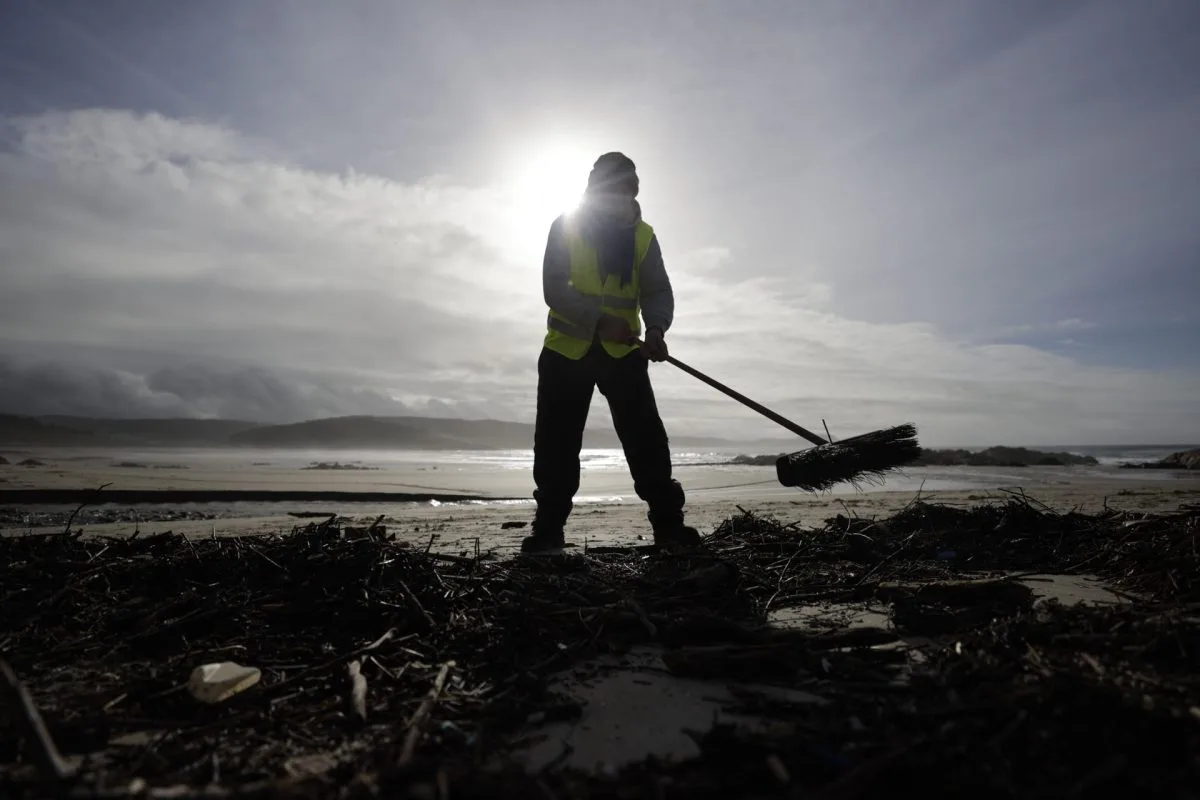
x=603, y=265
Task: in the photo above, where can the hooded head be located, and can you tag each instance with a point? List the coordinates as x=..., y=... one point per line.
x=613, y=173
x=612, y=188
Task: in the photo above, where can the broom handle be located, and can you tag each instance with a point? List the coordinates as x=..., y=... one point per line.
x=746, y=401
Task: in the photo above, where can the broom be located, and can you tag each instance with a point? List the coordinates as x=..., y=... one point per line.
x=868, y=456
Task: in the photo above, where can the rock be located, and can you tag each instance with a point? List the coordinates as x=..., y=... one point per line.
x=216, y=683
x=504, y=526
x=31, y=462
x=3, y=461
x=1184, y=459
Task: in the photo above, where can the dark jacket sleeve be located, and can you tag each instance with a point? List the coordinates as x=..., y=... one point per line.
x=560, y=295
x=657, y=297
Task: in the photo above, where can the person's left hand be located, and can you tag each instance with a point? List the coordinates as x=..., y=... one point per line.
x=654, y=347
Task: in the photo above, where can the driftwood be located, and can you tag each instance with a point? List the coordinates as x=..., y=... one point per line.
x=24, y=711
x=416, y=725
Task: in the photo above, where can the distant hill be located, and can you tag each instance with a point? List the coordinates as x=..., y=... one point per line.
x=1001, y=457
x=421, y=433
x=182, y=432
x=356, y=432
x=397, y=433
x=17, y=430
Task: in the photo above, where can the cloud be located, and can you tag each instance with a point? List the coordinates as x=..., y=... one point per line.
x=236, y=283
x=1062, y=325
x=199, y=390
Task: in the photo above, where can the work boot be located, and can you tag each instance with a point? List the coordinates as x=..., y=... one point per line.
x=544, y=542
x=677, y=537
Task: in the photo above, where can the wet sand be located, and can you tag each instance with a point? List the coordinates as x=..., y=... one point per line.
x=417, y=501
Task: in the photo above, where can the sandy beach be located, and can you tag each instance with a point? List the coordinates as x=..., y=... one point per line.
x=624, y=702
x=404, y=489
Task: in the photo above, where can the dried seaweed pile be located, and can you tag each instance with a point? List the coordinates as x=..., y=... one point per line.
x=1154, y=554
x=389, y=670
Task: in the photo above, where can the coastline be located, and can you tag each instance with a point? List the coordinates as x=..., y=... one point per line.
x=497, y=527
x=467, y=500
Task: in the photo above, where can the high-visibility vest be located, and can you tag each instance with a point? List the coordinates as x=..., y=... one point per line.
x=573, y=341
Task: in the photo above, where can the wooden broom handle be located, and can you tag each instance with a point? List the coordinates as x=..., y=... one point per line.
x=746, y=401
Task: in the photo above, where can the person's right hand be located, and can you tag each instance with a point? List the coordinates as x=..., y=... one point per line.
x=614, y=329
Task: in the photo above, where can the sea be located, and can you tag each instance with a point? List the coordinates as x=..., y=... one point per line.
x=1109, y=457
x=504, y=477
x=595, y=459
x=605, y=475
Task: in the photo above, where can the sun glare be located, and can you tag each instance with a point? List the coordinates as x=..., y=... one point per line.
x=550, y=181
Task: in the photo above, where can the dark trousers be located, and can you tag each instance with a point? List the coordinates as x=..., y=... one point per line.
x=565, y=388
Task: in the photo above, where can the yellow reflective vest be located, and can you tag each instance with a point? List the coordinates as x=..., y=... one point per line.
x=572, y=340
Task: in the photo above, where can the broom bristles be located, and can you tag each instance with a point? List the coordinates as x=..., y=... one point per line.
x=862, y=459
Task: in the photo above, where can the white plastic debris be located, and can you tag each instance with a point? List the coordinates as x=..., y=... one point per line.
x=216, y=683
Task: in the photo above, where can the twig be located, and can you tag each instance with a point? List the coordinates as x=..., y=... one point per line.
x=191, y=546
x=640, y=612
x=875, y=568
x=374, y=527
x=780, y=582
x=357, y=697
x=417, y=722
x=267, y=558
x=86, y=502
x=415, y=604
x=49, y=761
x=304, y=673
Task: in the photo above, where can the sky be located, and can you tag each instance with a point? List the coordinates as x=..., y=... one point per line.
x=980, y=217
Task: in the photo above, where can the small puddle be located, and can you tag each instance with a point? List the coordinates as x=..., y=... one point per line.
x=1073, y=589
x=634, y=708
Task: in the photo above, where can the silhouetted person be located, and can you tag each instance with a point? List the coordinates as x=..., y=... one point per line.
x=602, y=266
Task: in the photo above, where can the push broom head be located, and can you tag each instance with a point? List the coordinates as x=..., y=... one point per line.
x=862, y=458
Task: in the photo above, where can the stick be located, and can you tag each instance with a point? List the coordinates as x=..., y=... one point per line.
x=650, y=627
x=415, y=604
x=49, y=761
x=304, y=673
x=375, y=526
x=358, y=690
x=87, y=501
x=418, y=719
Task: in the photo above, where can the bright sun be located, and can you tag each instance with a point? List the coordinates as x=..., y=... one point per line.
x=550, y=181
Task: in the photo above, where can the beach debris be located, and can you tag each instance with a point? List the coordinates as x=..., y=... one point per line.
x=217, y=682
x=513, y=523
x=942, y=607
x=1000, y=697
x=21, y=708
x=357, y=695
x=376, y=530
